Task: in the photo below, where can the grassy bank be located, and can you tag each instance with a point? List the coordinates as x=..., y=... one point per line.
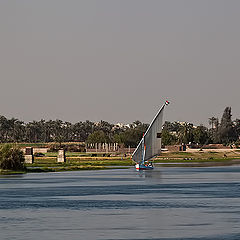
x=80, y=161
x=198, y=162
x=50, y=164
x=63, y=168
x=200, y=155
x=75, y=161
x=10, y=172
x=94, y=161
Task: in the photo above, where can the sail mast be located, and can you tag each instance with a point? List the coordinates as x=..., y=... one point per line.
x=143, y=149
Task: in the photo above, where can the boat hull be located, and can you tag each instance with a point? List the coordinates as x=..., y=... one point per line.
x=143, y=167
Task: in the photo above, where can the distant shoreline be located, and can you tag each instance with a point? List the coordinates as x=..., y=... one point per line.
x=167, y=163
x=77, y=161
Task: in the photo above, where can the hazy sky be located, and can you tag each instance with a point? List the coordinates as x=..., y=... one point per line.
x=118, y=60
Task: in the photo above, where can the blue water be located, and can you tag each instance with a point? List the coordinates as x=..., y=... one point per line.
x=167, y=203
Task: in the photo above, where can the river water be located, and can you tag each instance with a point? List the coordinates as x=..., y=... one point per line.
x=166, y=203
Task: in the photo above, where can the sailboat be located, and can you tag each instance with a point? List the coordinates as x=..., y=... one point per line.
x=150, y=144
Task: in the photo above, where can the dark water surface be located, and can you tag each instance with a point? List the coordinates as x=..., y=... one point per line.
x=167, y=203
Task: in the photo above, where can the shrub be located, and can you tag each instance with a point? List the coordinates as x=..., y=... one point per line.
x=11, y=158
x=67, y=147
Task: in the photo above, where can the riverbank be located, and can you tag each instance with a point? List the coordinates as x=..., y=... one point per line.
x=83, y=161
x=10, y=172
x=80, y=162
x=95, y=165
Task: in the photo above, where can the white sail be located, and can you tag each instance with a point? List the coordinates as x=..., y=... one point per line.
x=151, y=140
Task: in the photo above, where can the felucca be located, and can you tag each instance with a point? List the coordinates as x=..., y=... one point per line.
x=150, y=144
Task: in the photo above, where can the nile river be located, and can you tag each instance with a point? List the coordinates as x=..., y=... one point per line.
x=167, y=203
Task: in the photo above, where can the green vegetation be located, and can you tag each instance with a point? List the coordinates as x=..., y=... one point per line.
x=131, y=136
x=11, y=172
x=11, y=158
x=75, y=154
x=23, y=145
x=98, y=137
x=200, y=155
x=74, y=164
x=225, y=132
x=61, y=169
x=202, y=160
x=81, y=161
x=72, y=138
x=168, y=138
x=44, y=133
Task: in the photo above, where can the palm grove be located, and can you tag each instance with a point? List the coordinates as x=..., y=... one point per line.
x=225, y=131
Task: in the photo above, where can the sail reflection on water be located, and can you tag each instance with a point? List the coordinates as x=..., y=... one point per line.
x=151, y=175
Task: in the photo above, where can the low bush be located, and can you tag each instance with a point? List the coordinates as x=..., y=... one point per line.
x=67, y=147
x=11, y=158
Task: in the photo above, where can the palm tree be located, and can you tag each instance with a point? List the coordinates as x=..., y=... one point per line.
x=213, y=122
x=186, y=133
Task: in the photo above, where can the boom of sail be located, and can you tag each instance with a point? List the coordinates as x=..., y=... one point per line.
x=150, y=144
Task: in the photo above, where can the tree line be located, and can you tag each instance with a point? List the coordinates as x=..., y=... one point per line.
x=15, y=131
x=225, y=131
